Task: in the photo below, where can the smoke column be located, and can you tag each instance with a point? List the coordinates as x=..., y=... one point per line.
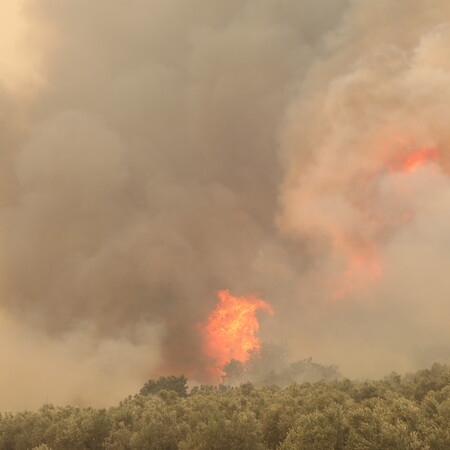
x=365, y=148
x=154, y=153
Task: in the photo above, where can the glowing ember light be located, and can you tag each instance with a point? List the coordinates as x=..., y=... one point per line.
x=360, y=272
x=231, y=328
x=361, y=253
x=417, y=159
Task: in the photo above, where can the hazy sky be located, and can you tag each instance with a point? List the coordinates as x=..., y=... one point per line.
x=155, y=152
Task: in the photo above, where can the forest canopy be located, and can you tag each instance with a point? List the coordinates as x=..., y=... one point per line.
x=409, y=411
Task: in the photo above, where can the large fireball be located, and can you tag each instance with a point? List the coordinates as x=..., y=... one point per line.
x=230, y=332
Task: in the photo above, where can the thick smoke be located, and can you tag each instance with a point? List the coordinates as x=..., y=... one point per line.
x=140, y=175
x=161, y=151
x=381, y=95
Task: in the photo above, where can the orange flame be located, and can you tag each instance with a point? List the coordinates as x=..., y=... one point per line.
x=230, y=330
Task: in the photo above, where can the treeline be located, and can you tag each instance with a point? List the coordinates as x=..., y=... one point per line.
x=272, y=365
x=398, y=412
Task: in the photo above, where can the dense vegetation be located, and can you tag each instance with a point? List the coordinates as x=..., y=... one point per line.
x=272, y=365
x=398, y=412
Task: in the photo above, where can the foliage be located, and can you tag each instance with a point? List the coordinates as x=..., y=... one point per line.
x=398, y=412
x=271, y=365
x=172, y=383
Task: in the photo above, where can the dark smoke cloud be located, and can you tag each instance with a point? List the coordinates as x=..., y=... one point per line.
x=164, y=150
x=144, y=179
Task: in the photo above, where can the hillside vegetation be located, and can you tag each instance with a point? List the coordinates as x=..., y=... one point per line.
x=397, y=412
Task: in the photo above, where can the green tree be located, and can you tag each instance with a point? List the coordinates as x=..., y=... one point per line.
x=172, y=383
x=159, y=429
x=320, y=430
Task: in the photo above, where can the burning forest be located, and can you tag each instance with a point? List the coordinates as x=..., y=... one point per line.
x=239, y=191
x=230, y=333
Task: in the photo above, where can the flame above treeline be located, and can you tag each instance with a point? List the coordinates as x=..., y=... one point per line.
x=230, y=331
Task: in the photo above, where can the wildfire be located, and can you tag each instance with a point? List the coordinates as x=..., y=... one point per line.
x=230, y=330
x=363, y=259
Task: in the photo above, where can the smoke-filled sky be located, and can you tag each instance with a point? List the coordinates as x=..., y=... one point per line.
x=154, y=152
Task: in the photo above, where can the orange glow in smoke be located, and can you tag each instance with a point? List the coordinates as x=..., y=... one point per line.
x=361, y=270
x=363, y=261
x=231, y=328
x=417, y=159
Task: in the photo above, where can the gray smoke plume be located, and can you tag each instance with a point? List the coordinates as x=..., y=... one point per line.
x=160, y=151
